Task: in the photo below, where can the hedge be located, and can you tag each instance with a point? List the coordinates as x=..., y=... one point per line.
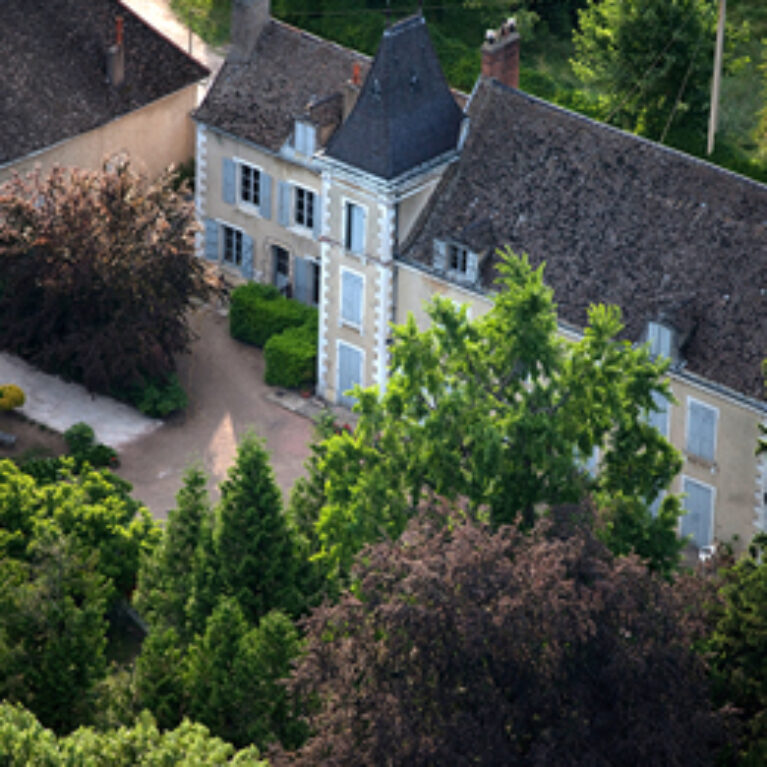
x=257, y=312
x=291, y=357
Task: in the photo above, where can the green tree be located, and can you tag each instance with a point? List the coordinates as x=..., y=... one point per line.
x=253, y=545
x=232, y=674
x=738, y=649
x=98, y=272
x=171, y=580
x=500, y=415
x=24, y=741
x=52, y=633
x=650, y=61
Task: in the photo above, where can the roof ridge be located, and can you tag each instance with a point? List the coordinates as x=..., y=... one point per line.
x=312, y=36
x=621, y=131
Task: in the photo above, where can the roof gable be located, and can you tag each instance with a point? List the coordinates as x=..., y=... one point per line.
x=405, y=114
x=617, y=219
x=53, y=84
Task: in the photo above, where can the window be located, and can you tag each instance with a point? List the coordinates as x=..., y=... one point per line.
x=250, y=179
x=281, y=259
x=355, y=228
x=304, y=137
x=658, y=417
x=349, y=372
x=457, y=258
x=232, y=245
x=701, y=430
x=698, y=521
x=351, y=298
x=659, y=337
x=304, y=208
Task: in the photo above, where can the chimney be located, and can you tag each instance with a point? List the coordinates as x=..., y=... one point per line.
x=352, y=89
x=500, y=54
x=116, y=56
x=249, y=17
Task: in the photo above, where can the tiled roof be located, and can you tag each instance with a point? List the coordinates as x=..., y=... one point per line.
x=288, y=71
x=617, y=219
x=52, y=70
x=405, y=114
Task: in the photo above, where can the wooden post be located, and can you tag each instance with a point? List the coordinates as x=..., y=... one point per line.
x=717, y=79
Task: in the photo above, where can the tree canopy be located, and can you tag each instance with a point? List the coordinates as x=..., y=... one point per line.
x=500, y=415
x=97, y=272
x=462, y=646
x=650, y=60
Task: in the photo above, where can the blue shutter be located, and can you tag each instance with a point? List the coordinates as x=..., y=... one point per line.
x=358, y=229
x=265, y=195
x=317, y=213
x=440, y=255
x=658, y=417
x=659, y=337
x=701, y=433
x=246, y=268
x=699, y=519
x=351, y=298
x=229, y=181
x=349, y=372
x=283, y=204
x=211, y=239
x=472, y=266
x=302, y=271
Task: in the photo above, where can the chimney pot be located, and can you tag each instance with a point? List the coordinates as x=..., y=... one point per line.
x=119, y=30
x=500, y=54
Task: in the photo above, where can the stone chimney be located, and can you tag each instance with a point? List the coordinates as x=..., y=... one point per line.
x=249, y=17
x=351, y=89
x=500, y=54
x=116, y=56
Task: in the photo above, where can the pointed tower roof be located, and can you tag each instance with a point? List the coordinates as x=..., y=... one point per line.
x=405, y=114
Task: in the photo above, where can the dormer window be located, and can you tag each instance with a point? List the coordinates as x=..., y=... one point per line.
x=458, y=258
x=660, y=338
x=304, y=138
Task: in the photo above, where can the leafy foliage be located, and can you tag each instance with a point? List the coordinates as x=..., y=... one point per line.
x=737, y=649
x=649, y=60
x=23, y=741
x=460, y=646
x=98, y=271
x=11, y=396
x=500, y=415
x=291, y=357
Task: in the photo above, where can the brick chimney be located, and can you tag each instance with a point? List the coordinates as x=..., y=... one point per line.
x=351, y=89
x=500, y=54
x=249, y=17
x=116, y=56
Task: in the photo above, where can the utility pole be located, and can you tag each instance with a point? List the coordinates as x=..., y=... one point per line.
x=717, y=79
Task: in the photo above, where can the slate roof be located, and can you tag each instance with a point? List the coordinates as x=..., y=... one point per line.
x=52, y=70
x=617, y=219
x=405, y=114
x=289, y=71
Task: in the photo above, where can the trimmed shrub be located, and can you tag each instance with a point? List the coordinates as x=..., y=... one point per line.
x=159, y=399
x=257, y=312
x=11, y=396
x=291, y=357
x=81, y=441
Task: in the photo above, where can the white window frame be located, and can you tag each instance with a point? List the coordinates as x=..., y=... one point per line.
x=308, y=215
x=461, y=255
x=237, y=235
x=348, y=237
x=712, y=493
x=304, y=137
x=693, y=401
x=253, y=205
x=660, y=338
x=339, y=344
x=347, y=321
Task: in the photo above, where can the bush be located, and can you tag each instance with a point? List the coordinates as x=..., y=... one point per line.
x=81, y=441
x=11, y=396
x=159, y=399
x=257, y=312
x=291, y=357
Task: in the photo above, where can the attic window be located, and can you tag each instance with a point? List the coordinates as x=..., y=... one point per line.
x=660, y=338
x=457, y=258
x=304, y=138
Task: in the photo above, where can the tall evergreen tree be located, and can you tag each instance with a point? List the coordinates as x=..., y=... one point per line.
x=254, y=549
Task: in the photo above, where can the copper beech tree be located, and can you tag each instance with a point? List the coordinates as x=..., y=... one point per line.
x=462, y=646
x=98, y=269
